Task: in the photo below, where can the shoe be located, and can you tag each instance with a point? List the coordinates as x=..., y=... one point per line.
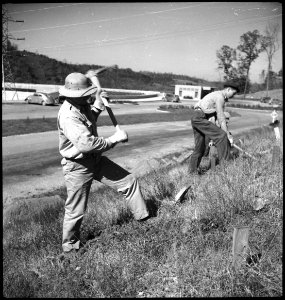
x=148, y=220
x=144, y=219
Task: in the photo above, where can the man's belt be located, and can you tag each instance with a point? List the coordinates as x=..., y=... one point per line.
x=85, y=156
x=198, y=108
x=208, y=116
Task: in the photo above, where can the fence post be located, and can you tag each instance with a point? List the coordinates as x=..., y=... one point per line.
x=240, y=245
x=275, y=156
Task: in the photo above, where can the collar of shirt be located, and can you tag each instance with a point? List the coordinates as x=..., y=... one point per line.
x=82, y=109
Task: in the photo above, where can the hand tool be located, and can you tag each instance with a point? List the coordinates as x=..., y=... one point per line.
x=180, y=195
x=110, y=112
x=243, y=151
x=103, y=69
x=96, y=82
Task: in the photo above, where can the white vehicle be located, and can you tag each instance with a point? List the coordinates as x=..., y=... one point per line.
x=43, y=98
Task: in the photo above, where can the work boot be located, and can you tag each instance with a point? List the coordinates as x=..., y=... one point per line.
x=144, y=219
x=147, y=220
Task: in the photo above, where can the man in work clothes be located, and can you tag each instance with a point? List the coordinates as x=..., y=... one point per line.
x=82, y=161
x=212, y=105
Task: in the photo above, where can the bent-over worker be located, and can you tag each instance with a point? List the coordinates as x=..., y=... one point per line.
x=212, y=105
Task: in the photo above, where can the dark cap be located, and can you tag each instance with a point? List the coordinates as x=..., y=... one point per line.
x=231, y=85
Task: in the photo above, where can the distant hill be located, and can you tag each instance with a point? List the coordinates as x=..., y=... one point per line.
x=29, y=67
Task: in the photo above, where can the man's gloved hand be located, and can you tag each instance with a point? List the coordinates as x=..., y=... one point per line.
x=91, y=73
x=98, y=103
x=118, y=137
x=105, y=95
x=230, y=138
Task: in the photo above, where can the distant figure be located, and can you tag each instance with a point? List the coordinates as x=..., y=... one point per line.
x=82, y=162
x=211, y=106
x=274, y=116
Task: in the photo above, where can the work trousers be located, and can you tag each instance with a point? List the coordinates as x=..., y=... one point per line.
x=202, y=129
x=78, y=175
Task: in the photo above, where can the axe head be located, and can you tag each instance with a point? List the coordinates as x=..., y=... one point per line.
x=93, y=72
x=180, y=195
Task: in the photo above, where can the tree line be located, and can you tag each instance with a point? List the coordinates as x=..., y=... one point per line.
x=236, y=62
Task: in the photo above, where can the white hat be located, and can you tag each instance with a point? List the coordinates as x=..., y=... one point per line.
x=77, y=85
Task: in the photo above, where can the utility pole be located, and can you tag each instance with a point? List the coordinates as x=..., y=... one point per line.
x=8, y=82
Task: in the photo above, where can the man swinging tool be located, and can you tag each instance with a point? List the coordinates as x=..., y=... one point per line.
x=81, y=149
x=212, y=105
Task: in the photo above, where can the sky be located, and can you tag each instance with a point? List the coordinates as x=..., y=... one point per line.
x=164, y=37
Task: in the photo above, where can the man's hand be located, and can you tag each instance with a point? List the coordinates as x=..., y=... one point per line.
x=98, y=103
x=91, y=73
x=105, y=95
x=118, y=137
x=230, y=138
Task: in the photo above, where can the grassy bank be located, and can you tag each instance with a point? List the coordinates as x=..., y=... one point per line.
x=184, y=252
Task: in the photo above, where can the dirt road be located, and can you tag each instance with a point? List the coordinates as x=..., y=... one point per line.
x=31, y=163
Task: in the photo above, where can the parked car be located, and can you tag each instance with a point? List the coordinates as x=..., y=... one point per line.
x=265, y=99
x=171, y=98
x=276, y=102
x=43, y=98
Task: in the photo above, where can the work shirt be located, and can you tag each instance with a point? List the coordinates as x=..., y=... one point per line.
x=77, y=130
x=214, y=103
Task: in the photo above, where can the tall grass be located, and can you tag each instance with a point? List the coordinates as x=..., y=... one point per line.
x=184, y=251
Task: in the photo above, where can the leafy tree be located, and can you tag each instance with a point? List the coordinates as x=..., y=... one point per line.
x=250, y=48
x=231, y=66
x=226, y=57
x=270, y=44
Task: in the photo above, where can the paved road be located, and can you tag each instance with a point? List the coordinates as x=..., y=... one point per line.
x=31, y=163
x=24, y=111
